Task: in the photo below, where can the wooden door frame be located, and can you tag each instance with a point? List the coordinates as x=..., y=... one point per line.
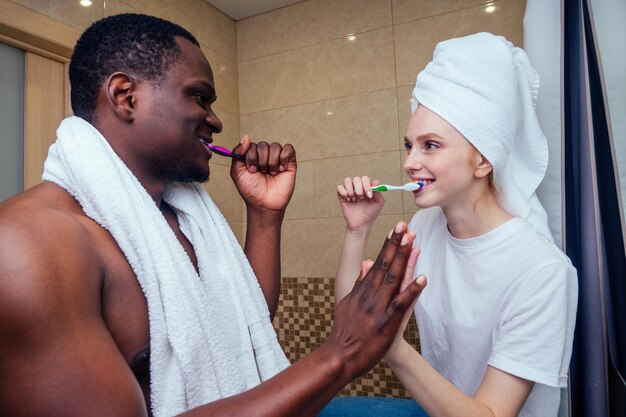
x=48, y=46
x=34, y=32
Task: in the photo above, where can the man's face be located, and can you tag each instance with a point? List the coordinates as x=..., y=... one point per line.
x=178, y=116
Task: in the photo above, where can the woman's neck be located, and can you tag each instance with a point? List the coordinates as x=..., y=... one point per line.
x=476, y=218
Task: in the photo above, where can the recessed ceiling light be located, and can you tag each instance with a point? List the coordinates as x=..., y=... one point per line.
x=351, y=36
x=85, y=3
x=490, y=8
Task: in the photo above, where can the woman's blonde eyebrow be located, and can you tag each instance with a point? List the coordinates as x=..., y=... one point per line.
x=424, y=136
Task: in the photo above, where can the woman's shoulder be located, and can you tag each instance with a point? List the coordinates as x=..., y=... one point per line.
x=542, y=261
x=537, y=244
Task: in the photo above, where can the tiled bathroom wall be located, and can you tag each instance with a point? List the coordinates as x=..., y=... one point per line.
x=334, y=78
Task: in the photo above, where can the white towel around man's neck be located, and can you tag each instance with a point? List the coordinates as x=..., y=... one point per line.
x=210, y=335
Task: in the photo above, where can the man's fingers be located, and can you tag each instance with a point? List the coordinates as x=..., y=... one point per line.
x=396, y=272
x=287, y=157
x=263, y=155
x=388, y=260
x=403, y=301
x=273, y=160
x=243, y=147
x=252, y=158
x=266, y=158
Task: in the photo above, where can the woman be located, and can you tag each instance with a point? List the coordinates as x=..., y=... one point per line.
x=496, y=321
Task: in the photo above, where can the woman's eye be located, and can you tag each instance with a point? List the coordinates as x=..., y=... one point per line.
x=407, y=147
x=431, y=145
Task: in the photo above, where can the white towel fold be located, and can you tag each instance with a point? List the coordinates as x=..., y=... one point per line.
x=210, y=335
x=486, y=88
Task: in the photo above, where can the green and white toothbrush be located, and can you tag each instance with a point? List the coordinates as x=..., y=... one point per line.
x=410, y=186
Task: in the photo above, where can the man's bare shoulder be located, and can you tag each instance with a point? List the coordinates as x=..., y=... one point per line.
x=47, y=251
x=34, y=207
x=61, y=356
x=43, y=220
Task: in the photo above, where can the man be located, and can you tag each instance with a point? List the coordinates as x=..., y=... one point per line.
x=106, y=301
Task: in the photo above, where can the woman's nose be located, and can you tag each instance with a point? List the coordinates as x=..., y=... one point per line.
x=412, y=162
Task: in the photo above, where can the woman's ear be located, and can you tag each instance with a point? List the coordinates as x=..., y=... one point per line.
x=121, y=95
x=483, y=167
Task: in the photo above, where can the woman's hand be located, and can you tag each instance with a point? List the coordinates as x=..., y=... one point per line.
x=360, y=205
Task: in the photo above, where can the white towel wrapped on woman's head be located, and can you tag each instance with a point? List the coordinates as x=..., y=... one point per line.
x=486, y=88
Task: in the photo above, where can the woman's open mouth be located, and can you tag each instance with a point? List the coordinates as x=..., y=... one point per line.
x=425, y=183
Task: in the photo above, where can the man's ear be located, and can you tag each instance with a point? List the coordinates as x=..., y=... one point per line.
x=483, y=166
x=121, y=95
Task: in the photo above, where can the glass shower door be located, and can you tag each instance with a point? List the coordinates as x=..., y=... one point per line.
x=11, y=121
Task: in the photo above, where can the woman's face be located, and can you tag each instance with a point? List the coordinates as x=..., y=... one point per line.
x=442, y=158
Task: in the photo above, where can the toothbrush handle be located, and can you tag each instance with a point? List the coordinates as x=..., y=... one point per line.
x=241, y=158
x=225, y=152
x=385, y=187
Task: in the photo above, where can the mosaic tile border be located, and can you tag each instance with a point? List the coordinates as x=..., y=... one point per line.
x=303, y=322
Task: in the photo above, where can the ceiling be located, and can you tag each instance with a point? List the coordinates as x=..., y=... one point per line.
x=240, y=9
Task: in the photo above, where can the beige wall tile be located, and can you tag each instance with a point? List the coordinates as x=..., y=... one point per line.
x=224, y=193
x=403, y=95
x=211, y=27
x=228, y=138
x=329, y=70
x=363, y=123
x=415, y=41
x=113, y=7
x=407, y=10
x=308, y=23
x=315, y=195
x=226, y=83
x=408, y=216
x=67, y=11
x=312, y=247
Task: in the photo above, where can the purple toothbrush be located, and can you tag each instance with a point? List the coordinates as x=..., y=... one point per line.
x=225, y=152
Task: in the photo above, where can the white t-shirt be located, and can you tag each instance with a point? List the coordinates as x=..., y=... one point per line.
x=505, y=299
